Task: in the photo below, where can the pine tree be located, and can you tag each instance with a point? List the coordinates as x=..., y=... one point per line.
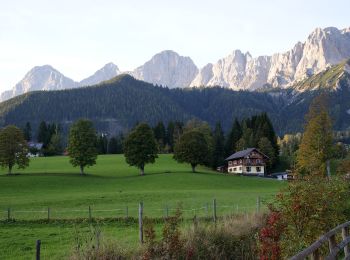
x=233, y=137
x=102, y=144
x=266, y=148
x=13, y=148
x=140, y=147
x=82, y=144
x=43, y=134
x=160, y=135
x=27, y=131
x=113, y=145
x=219, y=148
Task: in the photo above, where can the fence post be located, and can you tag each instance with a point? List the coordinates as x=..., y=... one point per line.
x=332, y=243
x=258, y=204
x=48, y=214
x=127, y=211
x=90, y=215
x=8, y=214
x=38, y=243
x=207, y=209
x=315, y=255
x=214, y=210
x=141, y=222
x=166, y=211
x=345, y=234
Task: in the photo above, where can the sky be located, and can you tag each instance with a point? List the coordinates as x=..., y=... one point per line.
x=77, y=37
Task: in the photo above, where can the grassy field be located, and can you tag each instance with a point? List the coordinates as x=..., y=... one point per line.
x=109, y=187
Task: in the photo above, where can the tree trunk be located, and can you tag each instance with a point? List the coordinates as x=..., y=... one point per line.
x=10, y=170
x=142, y=170
x=193, y=167
x=82, y=170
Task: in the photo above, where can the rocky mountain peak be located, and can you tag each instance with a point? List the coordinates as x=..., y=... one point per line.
x=108, y=71
x=322, y=49
x=167, y=68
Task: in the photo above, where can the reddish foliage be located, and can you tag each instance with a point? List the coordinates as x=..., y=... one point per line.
x=270, y=236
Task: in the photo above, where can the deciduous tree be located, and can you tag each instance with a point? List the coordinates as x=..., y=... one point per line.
x=192, y=148
x=13, y=148
x=140, y=147
x=82, y=144
x=316, y=144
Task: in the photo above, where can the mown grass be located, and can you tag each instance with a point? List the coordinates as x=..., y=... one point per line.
x=110, y=185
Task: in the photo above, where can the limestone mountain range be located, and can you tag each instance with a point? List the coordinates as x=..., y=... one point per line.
x=322, y=49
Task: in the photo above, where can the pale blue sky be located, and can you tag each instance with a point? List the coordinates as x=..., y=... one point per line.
x=78, y=37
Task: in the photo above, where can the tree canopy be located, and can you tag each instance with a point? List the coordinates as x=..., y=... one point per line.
x=140, y=147
x=13, y=148
x=192, y=148
x=82, y=144
x=316, y=144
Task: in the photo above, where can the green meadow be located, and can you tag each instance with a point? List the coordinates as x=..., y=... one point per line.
x=112, y=190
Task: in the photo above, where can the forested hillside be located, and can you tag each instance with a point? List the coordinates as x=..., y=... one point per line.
x=120, y=103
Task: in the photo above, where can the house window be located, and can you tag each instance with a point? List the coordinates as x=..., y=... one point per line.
x=240, y=161
x=258, y=160
x=229, y=163
x=258, y=169
x=234, y=162
x=234, y=169
x=248, y=169
x=240, y=168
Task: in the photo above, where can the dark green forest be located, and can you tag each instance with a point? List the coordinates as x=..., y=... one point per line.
x=119, y=104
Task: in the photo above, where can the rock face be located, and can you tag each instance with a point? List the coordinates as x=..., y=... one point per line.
x=110, y=70
x=323, y=48
x=40, y=78
x=168, y=69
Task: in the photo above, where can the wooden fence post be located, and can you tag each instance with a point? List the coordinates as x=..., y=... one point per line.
x=345, y=234
x=38, y=244
x=166, y=211
x=90, y=215
x=258, y=204
x=315, y=255
x=141, y=222
x=207, y=210
x=332, y=243
x=48, y=214
x=214, y=210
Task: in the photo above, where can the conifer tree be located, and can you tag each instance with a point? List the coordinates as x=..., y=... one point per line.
x=27, y=131
x=219, y=147
x=233, y=137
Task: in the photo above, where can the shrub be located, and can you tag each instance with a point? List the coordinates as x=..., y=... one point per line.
x=94, y=247
x=307, y=209
x=233, y=237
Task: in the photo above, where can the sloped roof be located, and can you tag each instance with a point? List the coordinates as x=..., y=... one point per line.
x=243, y=153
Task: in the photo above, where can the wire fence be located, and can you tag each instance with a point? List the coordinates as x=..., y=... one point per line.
x=206, y=210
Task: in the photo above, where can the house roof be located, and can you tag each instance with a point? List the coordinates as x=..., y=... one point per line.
x=38, y=146
x=243, y=153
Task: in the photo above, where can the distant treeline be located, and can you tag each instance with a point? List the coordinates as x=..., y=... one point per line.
x=117, y=106
x=256, y=131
